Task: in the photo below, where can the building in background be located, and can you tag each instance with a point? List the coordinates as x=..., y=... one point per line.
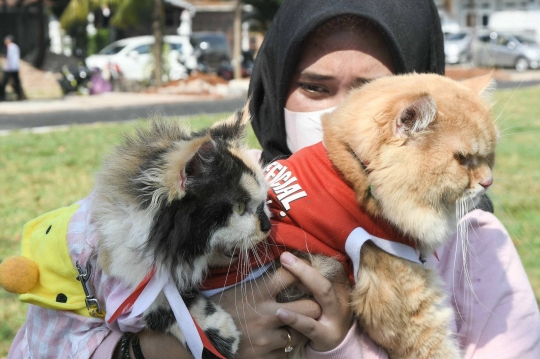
x=20, y=19
x=477, y=13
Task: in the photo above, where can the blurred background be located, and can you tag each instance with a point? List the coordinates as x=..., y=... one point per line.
x=95, y=46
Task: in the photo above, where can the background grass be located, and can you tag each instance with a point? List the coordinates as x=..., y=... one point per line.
x=42, y=172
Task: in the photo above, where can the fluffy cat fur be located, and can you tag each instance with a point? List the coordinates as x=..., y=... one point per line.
x=418, y=150
x=183, y=202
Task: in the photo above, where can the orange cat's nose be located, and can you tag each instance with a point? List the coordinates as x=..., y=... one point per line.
x=487, y=183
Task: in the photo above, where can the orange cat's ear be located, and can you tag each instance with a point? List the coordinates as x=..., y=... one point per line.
x=416, y=116
x=480, y=84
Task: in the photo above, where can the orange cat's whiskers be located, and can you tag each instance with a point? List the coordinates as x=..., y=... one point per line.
x=467, y=251
x=507, y=102
x=458, y=239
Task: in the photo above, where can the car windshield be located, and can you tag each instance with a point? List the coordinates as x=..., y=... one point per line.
x=455, y=37
x=176, y=46
x=111, y=50
x=525, y=40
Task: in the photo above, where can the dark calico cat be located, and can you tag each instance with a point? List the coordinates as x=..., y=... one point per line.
x=181, y=203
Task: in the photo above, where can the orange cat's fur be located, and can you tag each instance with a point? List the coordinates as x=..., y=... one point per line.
x=428, y=146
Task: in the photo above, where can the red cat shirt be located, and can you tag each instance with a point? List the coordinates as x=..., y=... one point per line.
x=314, y=210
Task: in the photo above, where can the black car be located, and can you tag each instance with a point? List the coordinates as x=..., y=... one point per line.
x=211, y=49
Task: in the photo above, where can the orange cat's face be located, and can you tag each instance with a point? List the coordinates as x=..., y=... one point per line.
x=417, y=149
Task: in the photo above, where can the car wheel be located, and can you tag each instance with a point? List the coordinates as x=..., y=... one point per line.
x=521, y=64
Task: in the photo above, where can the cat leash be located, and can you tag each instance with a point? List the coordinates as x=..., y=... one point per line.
x=145, y=293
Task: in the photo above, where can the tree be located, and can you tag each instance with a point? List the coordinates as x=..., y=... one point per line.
x=39, y=59
x=158, y=19
x=128, y=13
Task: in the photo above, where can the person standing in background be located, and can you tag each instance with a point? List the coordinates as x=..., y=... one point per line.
x=11, y=69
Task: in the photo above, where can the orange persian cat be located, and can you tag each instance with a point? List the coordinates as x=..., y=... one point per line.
x=418, y=150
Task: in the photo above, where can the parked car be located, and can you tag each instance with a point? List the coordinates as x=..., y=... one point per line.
x=132, y=57
x=226, y=70
x=457, y=47
x=498, y=49
x=211, y=50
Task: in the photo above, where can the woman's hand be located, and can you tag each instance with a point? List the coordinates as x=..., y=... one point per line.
x=253, y=307
x=328, y=330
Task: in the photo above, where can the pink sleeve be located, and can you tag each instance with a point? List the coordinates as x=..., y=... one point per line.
x=16, y=350
x=106, y=349
x=355, y=345
x=500, y=318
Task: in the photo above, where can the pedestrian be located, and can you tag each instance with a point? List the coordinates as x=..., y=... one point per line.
x=11, y=69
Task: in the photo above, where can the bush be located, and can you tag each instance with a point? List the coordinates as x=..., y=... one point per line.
x=98, y=41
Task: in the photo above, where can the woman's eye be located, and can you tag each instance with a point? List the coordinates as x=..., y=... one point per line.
x=240, y=208
x=313, y=88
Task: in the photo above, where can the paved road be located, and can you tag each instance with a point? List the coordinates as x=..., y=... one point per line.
x=514, y=84
x=132, y=112
x=29, y=115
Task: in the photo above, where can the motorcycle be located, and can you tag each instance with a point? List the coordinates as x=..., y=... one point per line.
x=75, y=79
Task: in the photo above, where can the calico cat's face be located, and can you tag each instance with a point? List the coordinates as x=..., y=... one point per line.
x=196, y=200
x=427, y=145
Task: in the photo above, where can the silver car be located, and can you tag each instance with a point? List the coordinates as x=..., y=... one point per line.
x=498, y=49
x=457, y=47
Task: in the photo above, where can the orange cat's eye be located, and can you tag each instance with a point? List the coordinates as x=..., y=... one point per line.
x=462, y=159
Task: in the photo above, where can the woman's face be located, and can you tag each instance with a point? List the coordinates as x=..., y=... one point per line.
x=330, y=65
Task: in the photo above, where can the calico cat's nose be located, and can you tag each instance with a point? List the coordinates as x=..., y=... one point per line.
x=263, y=219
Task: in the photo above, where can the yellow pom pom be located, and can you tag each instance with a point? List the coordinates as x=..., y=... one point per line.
x=18, y=274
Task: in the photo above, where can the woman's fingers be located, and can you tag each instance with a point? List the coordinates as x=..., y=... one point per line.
x=315, y=282
x=253, y=306
x=327, y=331
x=305, y=325
x=278, y=281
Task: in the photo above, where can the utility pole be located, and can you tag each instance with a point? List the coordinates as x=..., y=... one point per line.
x=237, y=46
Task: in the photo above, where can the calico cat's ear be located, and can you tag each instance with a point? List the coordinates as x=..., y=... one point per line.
x=233, y=128
x=480, y=84
x=416, y=116
x=186, y=158
x=197, y=165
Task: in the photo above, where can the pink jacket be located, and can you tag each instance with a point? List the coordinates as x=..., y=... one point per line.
x=500, y=319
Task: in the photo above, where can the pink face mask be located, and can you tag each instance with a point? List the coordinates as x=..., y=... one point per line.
x=304, y=128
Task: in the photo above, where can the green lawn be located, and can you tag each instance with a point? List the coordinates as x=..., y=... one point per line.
x=41, y=172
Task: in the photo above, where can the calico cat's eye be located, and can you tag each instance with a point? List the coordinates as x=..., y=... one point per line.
x=239, y=208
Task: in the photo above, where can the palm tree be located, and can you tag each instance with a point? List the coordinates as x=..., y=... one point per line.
x=127, y=13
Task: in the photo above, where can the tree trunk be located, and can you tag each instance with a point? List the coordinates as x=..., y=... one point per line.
x=41, y=45
x=157, y=31
x=237, y=46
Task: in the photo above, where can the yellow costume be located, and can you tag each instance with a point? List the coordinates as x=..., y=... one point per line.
x=44, y=274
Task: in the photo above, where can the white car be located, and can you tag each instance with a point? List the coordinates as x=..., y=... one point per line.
x=133, y=57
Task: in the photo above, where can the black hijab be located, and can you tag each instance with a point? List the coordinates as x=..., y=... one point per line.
x=411, y=28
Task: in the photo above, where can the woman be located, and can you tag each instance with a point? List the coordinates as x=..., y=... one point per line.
x=306, y=71
x=302, y=70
